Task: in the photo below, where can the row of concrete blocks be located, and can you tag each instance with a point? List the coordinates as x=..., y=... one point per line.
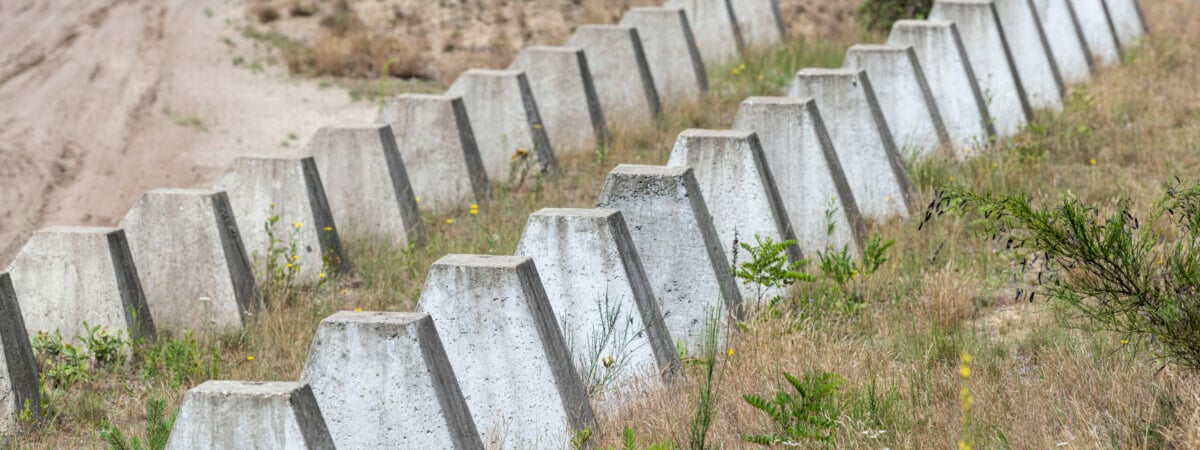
x=700, y=157
x=977, y=69
x=180, y=257
x=506, y=374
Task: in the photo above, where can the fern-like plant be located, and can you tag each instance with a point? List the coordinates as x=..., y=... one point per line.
x=810, y=414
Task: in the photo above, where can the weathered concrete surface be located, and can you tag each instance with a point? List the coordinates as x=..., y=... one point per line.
x=1066, y=40
x=1030, y=48
x=904, y=96
x=506, y=348
x=671, y=52
x=1128, y=22
x=677, y=242
x=620, y=72
x=244, y=414
x=383, y=381
x=566, y=97
x=19, y=381
x=1098, y=31
x=194, y=270
x=713, y=22
x=738, y=186
x=951, y=80
x=508, y=127
x=987, y=49
x=861, y=136
x=65, y=277
x=433, y=132
x=285, y=194
x=812, y=185
x=592, y=274
x=759, y=21
x=368, y=187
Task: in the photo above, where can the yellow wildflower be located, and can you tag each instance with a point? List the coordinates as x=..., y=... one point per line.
x=295, y=257
x=963, y=445
x=1092, y=161
x=290, y=265
x=357, y=309
x=449, y=221
x=418, y=199
x=952, y=179
x=297, y=224
x=249, y=357
x=1124, y=341
x=967, y=358
x=965, y=371
x=729, y=353
x=537, y=126
x=328, y=229
x=321, y=275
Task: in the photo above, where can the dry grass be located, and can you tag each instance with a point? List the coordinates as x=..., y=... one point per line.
x=896, y=336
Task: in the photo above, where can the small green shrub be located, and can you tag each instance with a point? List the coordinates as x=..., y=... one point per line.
x=1116, y=272
x=158, y=430
x=768, y=266
x=809, y=415
x=841, y=266
x=879, y=15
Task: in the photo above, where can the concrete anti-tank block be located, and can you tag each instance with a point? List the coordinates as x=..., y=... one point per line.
x=1098, y=31
x=368, y=187
x=1032, y=59
x=507, y=124
x=620, y=72
x=1065, y=39
x=1128, y=22
x=678, y=244
x=433, y=133
x=19, y=381
x=285, y=194
x=861, y=137
x=591, y=272
x=951, y=80
x=188, y=250
x=243, y=414
x=904, y=96
x=717, y=34
x=738, y=186
x=671, y=52
x=760, y=22
x=566, y=97
x=991, y=59
x=807, y=171
x=66, y=277
x=382, y=381
x=487, y=306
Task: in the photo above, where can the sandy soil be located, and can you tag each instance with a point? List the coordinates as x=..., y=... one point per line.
x=105, y=99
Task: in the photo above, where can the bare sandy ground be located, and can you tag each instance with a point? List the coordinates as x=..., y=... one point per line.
x=101, y=100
